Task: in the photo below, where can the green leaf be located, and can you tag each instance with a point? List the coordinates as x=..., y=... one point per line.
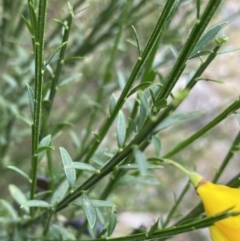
x=31, y=98
x=81, y=166
x=157, y=145
x=135, y=166
x=141, y=161
x=64, y=233
x=67, y=161
x=141, y=86
x=69, y=80
x=42, y=145
x=8, y=207
x=212, y=80
x=61, y=126
x=19, y=171
x=137, y=41
x=153, y=229
x=144, y=109
x=112, y=103
x=36, y=203
x=201, y=53
x=18, y=196
x=60, y=192
x=73, y=59
x=133, y=125
x=152, y=96
x=89, y=210
x=112, y=222
x=121, y=129
x=238, y=117
x=207, y=37
x=44, y=148
x=53, y=54
x=28, y=24
x=175, y=118
x=24, y=120
x=95, y=203
x=160, y=103
x=225, y=51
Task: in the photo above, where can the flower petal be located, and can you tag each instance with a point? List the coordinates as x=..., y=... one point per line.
x=217, y=199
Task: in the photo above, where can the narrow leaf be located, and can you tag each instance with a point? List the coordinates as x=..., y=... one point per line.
x=18, y=196
x=95, y=203
x=112, y=103
x=225, y=51
x=8, y=207
x=121, y=129
x=24, y=120
x=112, y=222
x=137, y=41
x=60, y=126
x=141, y=161
x=81, y=166
x=141, y=86
x=135, y=166
x=28, y=24
x=61, y=233
x=60, y=192
x=153, y=229
x=161, y=103
x=207, y=37
x=89, y=210
x=212, y=80
x=53, y=54
x=201, y=53
x=152, y=96
x=175, y=118
x=238, y=117
x=69, y=80
x=19, y=171
x=133, y=125
x=31, y=98
x=67, y=161
x=44, y=148
x=36, y=203
x=73, y=59
x=43, y=143
x=157, y=145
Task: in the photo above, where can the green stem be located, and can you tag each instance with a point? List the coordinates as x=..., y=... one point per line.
x=227, y=158
x=176, y=204
x=191, y=42
x=162, y=117
x=39, y=72
x=233, y=107
x=166, y=233
x=60, y=60
x=108, y=72
x=137, y=68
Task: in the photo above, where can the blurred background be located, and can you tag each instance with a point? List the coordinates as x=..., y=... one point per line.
x=92, y=36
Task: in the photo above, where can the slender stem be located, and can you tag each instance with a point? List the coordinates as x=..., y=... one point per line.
x=176, y=204
x=162, y=117
x=167, y=233
x=39, y=72
x=60, y=60
x=47, y=223
x=227, y=158
x=191, y=42
x=233, y=107
x=108, y=72
x=136, y=70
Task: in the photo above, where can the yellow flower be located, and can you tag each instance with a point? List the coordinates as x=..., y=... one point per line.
x=216, y=199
